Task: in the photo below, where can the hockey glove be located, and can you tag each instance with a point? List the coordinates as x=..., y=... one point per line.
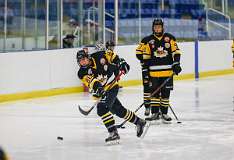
x=123, y=66
x=176, y=68
x=145, y=74
x=98, y=90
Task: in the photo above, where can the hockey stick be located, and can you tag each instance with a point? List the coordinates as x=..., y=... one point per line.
x=174, y=115
x=82, y=111
x=156, y=91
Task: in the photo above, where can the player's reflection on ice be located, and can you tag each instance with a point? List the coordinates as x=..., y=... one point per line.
x=233, y=102
x=197, y=97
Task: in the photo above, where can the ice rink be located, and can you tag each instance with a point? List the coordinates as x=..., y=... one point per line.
x=29, y=128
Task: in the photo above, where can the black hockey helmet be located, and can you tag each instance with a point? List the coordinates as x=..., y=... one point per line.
x=80, y=55
x=110, y=45
x=158, y=21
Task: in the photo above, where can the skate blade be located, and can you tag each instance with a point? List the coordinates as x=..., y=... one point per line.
x=146, y=128
x=111, y=143
x=166, y=122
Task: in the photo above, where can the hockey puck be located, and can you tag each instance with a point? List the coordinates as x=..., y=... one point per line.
x=179, y=122
x=59, y=138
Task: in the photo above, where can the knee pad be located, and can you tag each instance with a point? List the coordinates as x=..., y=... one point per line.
x=120, y=111
x=101, y=109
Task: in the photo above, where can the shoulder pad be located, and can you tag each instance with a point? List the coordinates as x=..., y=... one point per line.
x=146, y=39
x=170, y=35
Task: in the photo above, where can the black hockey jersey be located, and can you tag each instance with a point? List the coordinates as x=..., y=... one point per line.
x=158, y=54
x=103, y=69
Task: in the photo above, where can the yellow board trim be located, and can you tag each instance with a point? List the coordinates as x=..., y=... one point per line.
x=216, y=73
x=59, y=91
x=184, y=77
x=37, y=94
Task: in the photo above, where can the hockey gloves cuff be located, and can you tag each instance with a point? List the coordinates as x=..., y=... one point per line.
x=123, y=66
x=176, y=68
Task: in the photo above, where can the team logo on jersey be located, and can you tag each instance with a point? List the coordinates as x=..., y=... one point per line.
x=160, y=52
x=151, y=43
x=166, y=39
x=103, y=61
x=167, y=45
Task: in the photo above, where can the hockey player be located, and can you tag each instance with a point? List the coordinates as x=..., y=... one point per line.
x=233, y=53
x=110, y=45
x=159, y=56
x=98, y=71
x=3, y=155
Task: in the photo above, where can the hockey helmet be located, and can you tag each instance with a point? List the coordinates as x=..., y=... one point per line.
x=158, y=21
x=80, y=55
x=110, y=45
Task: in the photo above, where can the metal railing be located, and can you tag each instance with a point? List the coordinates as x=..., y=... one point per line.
x=216, y=23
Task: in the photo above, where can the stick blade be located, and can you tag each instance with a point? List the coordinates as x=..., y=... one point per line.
x=83, y=111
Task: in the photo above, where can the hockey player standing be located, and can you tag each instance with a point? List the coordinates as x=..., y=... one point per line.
x=159, y=56
x=98, y=72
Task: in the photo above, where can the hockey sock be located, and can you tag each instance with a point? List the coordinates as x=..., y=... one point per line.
x=155, y=105
x=164, y=105
x=147, y=99
x=109, y=121
x=131, y=117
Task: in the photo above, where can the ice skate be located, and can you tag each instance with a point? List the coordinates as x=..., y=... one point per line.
x=166, y=119
x=155, y=117
x=113, y=138
x=140, y=127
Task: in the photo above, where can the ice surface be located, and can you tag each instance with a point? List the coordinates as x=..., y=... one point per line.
x=29, y=128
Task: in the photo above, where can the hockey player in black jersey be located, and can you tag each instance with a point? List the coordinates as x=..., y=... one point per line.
x=159, y=56
x=98, y=72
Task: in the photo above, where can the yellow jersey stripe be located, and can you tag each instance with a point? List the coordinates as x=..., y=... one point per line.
x=161, y=73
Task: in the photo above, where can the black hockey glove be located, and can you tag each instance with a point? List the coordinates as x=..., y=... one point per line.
x=123, y=66
x=145, y=72
x=98, y=90
x=176, y=68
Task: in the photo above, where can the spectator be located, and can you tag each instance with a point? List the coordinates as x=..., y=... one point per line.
x=53, y=43
x=68, y=41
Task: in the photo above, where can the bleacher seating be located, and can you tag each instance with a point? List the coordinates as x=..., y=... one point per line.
x=151, y=8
